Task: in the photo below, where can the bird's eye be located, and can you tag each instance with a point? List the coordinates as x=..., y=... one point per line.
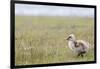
x=68, y=37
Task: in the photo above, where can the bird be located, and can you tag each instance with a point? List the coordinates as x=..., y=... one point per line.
x=80, y=47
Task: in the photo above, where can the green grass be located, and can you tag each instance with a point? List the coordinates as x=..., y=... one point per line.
x=42, y=40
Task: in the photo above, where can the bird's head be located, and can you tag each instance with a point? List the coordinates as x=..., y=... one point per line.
x=71, y=37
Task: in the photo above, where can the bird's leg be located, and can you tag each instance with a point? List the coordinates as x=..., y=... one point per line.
x=82, y=55
x=78, y=54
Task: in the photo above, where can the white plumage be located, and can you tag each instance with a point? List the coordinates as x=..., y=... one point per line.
x=78, y=46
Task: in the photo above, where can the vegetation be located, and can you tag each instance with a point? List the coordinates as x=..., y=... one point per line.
x=42, y=39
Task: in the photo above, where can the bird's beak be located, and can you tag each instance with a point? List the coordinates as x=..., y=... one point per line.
x=67, y=38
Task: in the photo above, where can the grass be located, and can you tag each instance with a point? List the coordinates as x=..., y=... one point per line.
x=42, y=40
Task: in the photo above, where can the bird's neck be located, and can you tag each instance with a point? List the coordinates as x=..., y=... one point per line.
x=71, y=44
x=72, y=41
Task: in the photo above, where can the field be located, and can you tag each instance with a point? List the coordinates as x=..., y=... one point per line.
x=42, y=39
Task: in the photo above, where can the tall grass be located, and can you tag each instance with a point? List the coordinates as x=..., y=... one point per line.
x=42, y=40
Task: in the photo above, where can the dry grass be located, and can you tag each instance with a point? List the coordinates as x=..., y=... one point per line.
x=41, y=40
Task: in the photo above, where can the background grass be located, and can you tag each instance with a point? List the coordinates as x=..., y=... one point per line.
x=42, y=39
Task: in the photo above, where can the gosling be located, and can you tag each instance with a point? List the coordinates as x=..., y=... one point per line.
x=80, y=47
